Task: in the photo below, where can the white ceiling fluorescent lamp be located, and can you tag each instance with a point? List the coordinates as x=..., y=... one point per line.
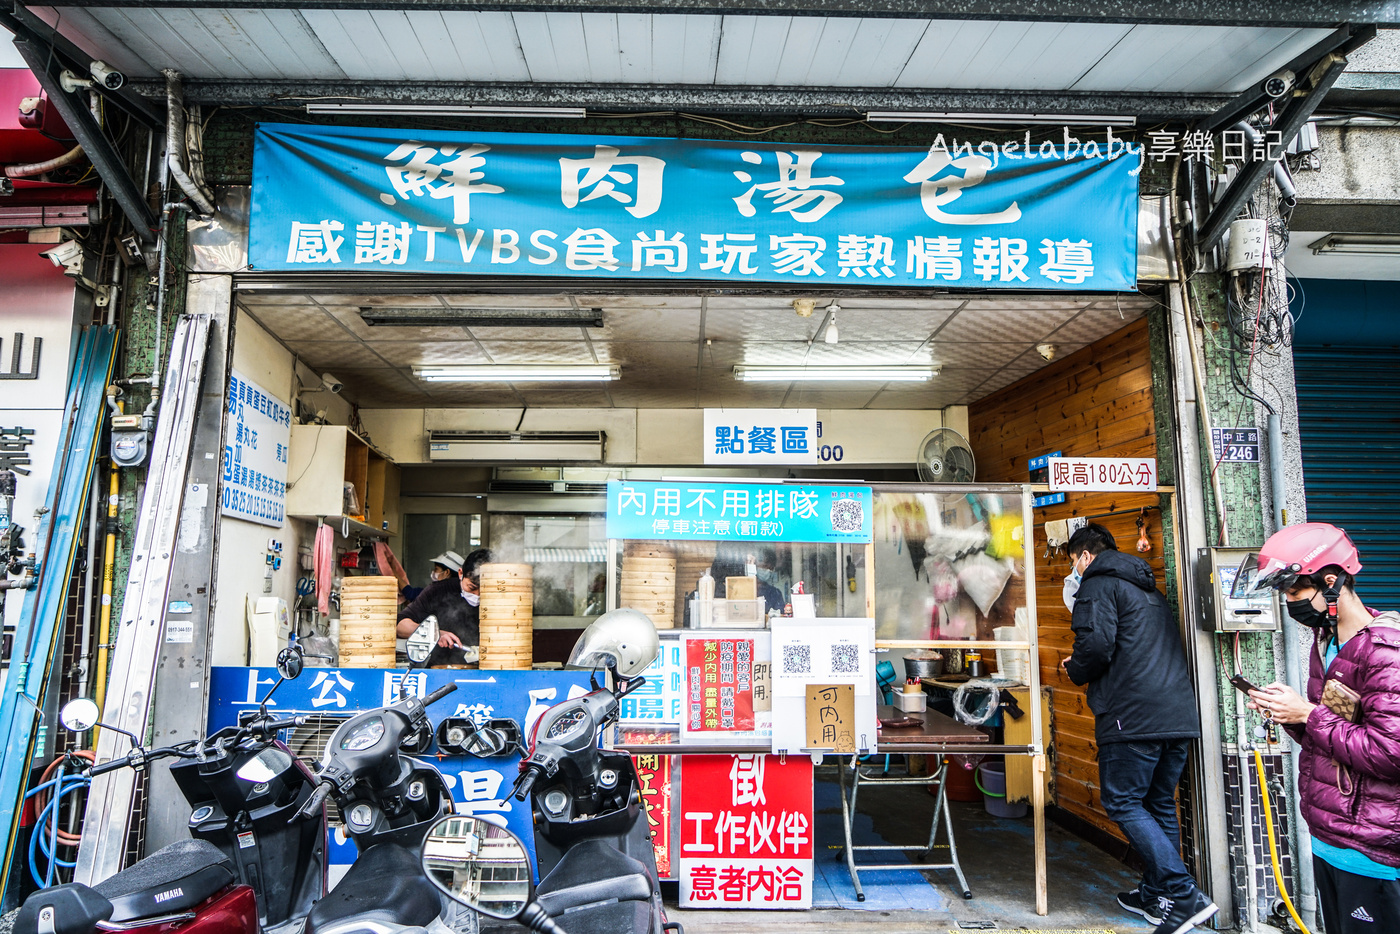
x=408, y=108
x=928, y=116
x=834, y=374
x=1374, y=244
x=508, y=373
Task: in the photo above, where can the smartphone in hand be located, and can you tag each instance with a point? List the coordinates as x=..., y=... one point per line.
x=1243, y=683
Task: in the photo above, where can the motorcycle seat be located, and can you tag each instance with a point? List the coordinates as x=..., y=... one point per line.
x=170, y=880
x=593, y=872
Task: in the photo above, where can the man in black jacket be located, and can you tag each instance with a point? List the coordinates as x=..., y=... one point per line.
x=1127, y=649
x=455, y=601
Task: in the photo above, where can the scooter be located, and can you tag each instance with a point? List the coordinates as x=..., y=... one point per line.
x=593, y=845
x=248, y=793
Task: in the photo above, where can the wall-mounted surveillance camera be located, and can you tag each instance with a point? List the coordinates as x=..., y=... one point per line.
x=69, y=255
x=107, y=76
x=1279, y=83
x=330, y=383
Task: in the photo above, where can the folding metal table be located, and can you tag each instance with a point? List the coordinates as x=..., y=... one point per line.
x=934, y=730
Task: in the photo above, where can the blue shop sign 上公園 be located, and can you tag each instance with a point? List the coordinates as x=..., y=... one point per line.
x=769, y=512
x=479, y=786
x=1019, y=214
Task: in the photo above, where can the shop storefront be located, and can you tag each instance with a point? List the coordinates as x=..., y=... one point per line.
x=360, y=425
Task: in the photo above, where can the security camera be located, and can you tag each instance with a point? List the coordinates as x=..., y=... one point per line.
x=106, y=75
x=331, y=384
x=1279, y=83
x=69, y=255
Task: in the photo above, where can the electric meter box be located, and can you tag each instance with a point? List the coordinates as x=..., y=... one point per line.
x=1258, y=612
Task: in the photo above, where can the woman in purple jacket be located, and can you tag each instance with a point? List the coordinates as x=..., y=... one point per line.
x=1349, y=772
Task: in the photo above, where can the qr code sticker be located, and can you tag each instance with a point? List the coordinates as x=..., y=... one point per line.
x=797, y=659
x=847, y=515
x=845, y=659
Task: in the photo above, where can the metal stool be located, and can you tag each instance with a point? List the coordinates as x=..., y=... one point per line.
x=848, y=812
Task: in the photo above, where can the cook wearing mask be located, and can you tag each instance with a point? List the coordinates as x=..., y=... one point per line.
x=455, y=599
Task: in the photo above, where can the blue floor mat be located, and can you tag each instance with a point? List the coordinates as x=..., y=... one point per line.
x=884, y=891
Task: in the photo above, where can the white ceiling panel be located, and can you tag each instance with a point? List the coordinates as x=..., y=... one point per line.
x=89, y=31
x=350, y=321
x=328, y=354
x=541, y=352
x=1016, y=324
x=683, y=49
x=927, y=399
x=353, y=38
x=650, y=324
x=487, y=46
x=958, y=354
x=429, y=353
x=553, y=335
x=668, y=356
x=293, y=325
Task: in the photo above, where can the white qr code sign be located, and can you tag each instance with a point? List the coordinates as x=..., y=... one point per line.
x=1102, y=474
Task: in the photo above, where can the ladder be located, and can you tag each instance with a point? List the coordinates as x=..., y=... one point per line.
x=41, y=620
x=111, y=796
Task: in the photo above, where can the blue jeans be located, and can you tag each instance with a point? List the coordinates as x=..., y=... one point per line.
x=1137, y=785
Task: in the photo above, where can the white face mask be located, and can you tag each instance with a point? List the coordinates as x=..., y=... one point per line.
x=1072, y=580
x=473, y=599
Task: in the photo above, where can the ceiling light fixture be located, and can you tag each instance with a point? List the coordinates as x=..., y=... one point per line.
x=439, y=316
x=832, y=335
x=896, y=116
x=403, y=108
x=838, y=374
x=508, y=373
x=1357, y=243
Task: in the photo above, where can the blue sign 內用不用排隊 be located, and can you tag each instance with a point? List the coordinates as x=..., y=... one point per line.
x=1021, y=215
x=770, y=512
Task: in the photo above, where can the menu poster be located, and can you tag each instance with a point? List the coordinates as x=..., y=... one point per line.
x=746, y=832
x=719, y=684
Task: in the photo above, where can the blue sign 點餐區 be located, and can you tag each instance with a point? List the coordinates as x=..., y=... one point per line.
x=771, y=512
x=1022, y=215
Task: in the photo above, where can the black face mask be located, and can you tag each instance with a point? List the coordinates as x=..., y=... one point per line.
x=1306, y=614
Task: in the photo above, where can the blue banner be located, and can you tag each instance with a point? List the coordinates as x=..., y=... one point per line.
x=1022, y=214
x=743, y=512
x=479, y=786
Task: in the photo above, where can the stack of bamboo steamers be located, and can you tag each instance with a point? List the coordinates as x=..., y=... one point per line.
x=368, y=614
x=649, y=581
x=507, y=616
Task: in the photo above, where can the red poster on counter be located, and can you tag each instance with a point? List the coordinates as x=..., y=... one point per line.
x=719, y=684
x=746, y=832
x=654, y=773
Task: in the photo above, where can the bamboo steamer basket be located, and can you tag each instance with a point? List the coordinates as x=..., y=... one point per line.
x=507, y=636
x=368, y=614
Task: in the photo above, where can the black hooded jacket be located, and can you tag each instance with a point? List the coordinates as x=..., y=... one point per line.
x=1127, y=648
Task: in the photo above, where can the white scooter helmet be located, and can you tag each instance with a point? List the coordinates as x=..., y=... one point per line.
x=624, y=639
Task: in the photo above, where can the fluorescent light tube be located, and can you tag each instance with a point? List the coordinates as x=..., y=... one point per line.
x=835, y=374
x=1376, y=244
x=507, y=373
x=896, y=116
x=446, y=110
x=440, y=316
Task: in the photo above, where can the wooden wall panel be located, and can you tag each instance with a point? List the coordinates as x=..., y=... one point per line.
x=1096, y=402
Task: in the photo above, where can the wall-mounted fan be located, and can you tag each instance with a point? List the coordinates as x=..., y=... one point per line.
x=945, y=457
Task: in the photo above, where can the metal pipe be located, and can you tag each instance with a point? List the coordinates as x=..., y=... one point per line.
x=48, y=165
x=85, y=640
x=175, y=141
x=1276, y=484
x=109, y=560
x=1251, y=892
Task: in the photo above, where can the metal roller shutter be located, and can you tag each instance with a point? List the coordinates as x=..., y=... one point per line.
x=1349, y=420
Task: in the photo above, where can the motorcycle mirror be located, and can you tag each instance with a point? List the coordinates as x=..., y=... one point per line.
x=424, y=638
x=485, y=743
x=290, y=662
x=478, y=864
x=79, y=715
